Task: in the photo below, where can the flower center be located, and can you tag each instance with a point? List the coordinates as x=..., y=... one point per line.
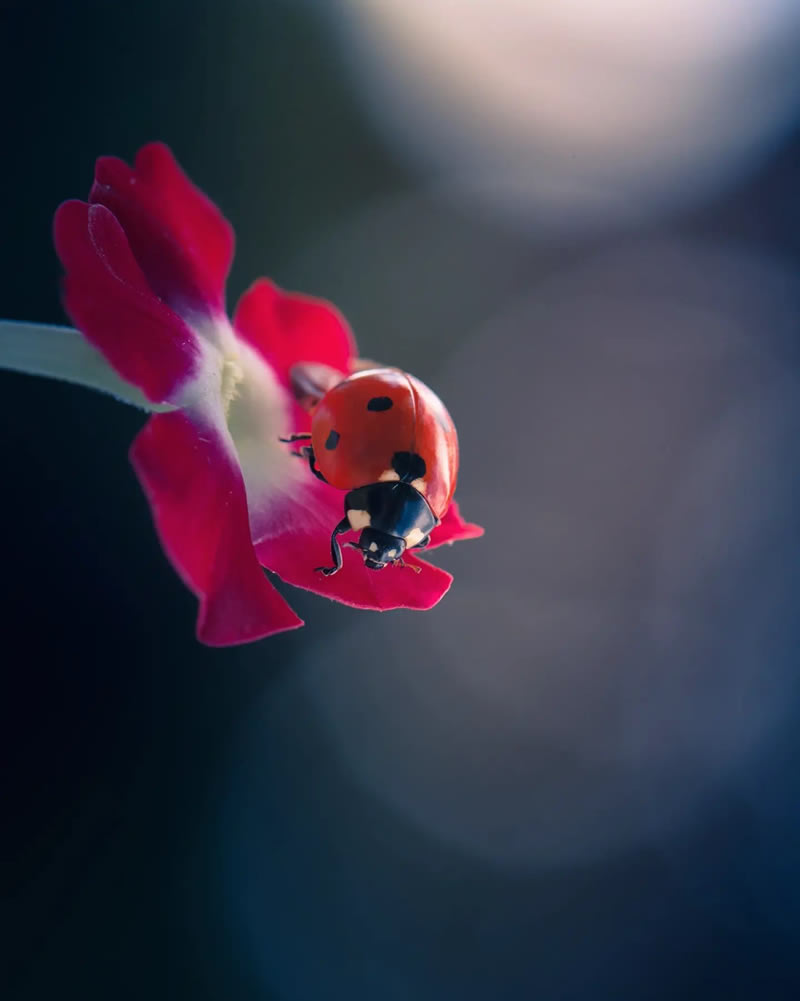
x=257, y=411
x=231, y=378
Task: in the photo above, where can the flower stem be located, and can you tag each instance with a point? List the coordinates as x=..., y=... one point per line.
x=63, y=353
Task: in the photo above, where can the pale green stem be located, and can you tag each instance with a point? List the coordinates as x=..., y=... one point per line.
x=63, y=353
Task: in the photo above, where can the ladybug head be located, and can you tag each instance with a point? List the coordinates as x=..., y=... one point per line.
x=379, y=548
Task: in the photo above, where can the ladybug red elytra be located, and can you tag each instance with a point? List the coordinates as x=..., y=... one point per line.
x=387, y=439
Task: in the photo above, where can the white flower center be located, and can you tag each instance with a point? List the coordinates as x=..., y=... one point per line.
x=245, y=393
x=232, y=376
x=258, y=416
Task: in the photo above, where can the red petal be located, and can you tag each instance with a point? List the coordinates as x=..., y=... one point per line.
x=198, y=501
x=454, y=529
x=180, y=239
x=287, y=328
x=108, y=298
x=305, y=544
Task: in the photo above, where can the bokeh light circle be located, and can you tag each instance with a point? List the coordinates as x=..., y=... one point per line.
x=574, y=115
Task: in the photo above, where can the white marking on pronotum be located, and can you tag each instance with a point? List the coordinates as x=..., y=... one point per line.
x=392, y=552
x=388, y=475
x=358, y=519
x=414, y=536
x=419, y=484
x=373, y=547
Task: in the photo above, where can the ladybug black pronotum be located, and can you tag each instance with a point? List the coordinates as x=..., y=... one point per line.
x=387, y=439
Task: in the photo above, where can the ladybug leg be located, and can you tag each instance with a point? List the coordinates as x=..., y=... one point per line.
x=336, y=550
x=408, y=566
x=308, y=452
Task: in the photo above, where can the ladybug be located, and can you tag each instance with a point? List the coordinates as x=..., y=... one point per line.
x=387, y=439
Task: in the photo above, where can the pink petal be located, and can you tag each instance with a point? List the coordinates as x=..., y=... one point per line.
x=180, y=239
x=198, y=502
x=287, y=328
x=305, y=544
x=107, y=297
x=454, y=529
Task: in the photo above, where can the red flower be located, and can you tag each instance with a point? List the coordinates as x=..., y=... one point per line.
x=146, y=261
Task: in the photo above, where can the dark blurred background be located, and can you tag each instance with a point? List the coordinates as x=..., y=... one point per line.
x=577, y=777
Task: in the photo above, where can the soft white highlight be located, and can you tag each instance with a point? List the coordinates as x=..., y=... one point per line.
x=578, y=113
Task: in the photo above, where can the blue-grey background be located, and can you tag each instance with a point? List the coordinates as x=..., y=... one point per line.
x=577, y=777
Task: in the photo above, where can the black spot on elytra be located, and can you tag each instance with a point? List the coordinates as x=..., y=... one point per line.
x=380, y=403
x=408, y=465
x=332, y=440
